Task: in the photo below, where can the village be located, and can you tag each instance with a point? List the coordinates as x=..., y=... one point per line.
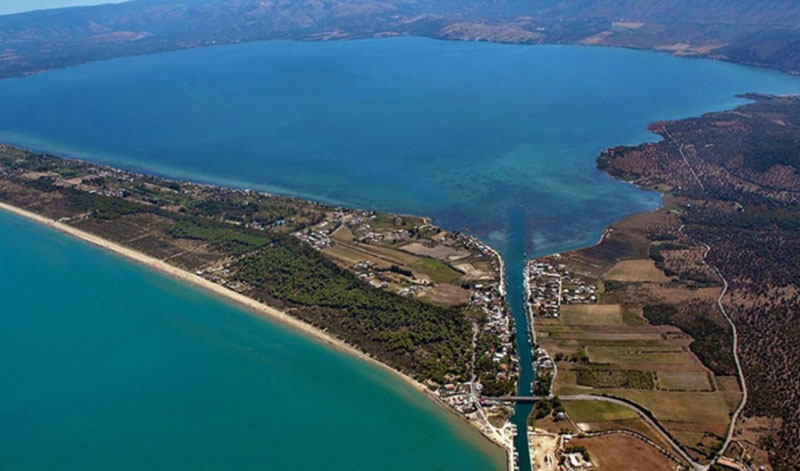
x=413, y=258
x=550, y=285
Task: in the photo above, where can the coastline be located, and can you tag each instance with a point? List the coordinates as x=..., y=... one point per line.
x=254, y=307
x=644, y=413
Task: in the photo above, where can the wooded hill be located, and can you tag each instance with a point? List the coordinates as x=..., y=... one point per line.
x=763, y=33
x=735, y=182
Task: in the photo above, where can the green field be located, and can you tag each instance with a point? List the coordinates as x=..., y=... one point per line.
x=684, y=380
x=596, y=411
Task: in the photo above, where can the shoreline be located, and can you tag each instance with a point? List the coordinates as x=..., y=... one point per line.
x=252, y=306
x=654, y=423
x=654, y=48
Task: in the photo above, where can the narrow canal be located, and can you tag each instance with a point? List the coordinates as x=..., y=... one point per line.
x=514, y=256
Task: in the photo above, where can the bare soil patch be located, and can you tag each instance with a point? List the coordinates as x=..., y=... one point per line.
x=638, y=270
x=618, y=451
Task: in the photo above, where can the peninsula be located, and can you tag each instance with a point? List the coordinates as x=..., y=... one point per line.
x=392, y=289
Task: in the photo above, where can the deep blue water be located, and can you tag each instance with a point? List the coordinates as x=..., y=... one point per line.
x=498, y=140
x=462, y=132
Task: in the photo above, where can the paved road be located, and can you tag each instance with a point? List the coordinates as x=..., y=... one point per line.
x=642, y=412
x=646, y=416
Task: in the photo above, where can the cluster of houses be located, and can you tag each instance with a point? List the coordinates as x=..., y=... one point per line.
x=550, y=285
x=490, y=301
x=459, y=397
x=319, y=239
x=357, y=221
x=542, y=360
x=399, y=235
x=543, y=364
x=487, y=293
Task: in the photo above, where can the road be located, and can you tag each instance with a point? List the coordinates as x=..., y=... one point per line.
x=647, y=417
x=680, y=149
x=739, y=371
x=736, y=360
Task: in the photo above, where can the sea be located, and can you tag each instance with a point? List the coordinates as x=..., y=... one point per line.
x=108, y=365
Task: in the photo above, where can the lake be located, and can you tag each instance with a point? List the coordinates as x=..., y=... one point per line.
x=496, y=140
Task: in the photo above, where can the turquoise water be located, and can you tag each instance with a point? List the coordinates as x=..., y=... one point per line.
x=498, y=140
x=106, y=365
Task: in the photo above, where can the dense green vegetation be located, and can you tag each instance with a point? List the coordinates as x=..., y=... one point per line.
x=545, y=407
x=103, y=207
x=222, y=237
x=543, y=383
x=487, y=370
x=772, y=145
x=429, y=341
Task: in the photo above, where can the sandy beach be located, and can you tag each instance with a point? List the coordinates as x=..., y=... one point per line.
x=255, y=307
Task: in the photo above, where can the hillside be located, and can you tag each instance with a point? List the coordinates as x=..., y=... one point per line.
x=747, y=31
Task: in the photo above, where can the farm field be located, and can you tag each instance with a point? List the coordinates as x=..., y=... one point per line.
x=591, y=314
x=636, y=271
x=651, y=365
x=610, y=347
x=612, y=452
x=595, y=416
x=432, y=270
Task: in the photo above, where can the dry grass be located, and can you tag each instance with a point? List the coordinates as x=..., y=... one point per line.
x=684, y=411
x=591, y=314
x=441, y=252
x=644, y=357
x=729, y=386
x=445, y=294
x=687, y=409
x=343, y=233
x=684, y=381
x=613, y=452
x=472, y=271
x=639, y=270
x=596, y=412
x=347, y=256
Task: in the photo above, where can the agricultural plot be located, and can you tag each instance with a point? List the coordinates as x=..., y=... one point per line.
x=595, y=416
x=644, y=357
x=591, y=314
x=599, y=350
x=637, y=270
x=684, y=381
x=618, y=451
x=593, y=412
